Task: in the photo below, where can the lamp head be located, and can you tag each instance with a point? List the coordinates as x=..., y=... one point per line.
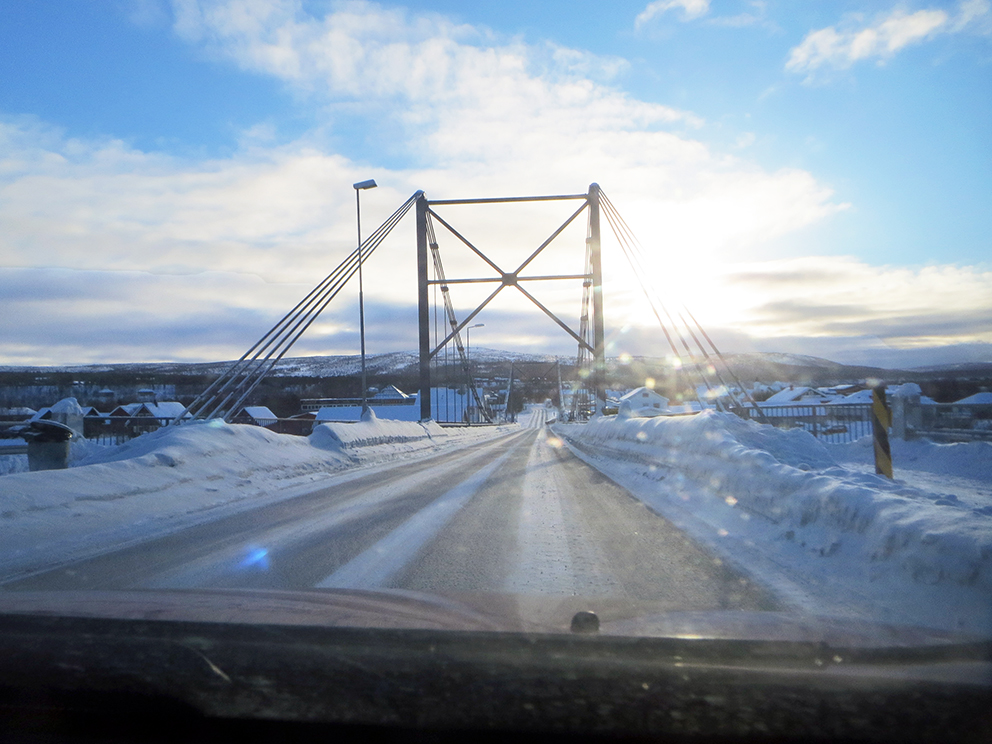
x=362, y=185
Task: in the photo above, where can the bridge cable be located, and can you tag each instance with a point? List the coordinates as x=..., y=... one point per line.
x=244, y=375
x=636, y=251
x=368, y=248
x=625, y=239
x=709, y=340
x=638, y=266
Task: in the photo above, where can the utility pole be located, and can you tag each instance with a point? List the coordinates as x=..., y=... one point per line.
x=359, y=187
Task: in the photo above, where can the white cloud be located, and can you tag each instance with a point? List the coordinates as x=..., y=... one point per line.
x=690, y=9
x=474, y=115
x=882, y=39
x=843, y=297
x=756, y=16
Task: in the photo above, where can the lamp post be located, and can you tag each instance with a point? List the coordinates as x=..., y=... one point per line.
x=359, y=187
x=468, y=358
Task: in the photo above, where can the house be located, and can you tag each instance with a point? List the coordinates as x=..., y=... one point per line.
x=256, y=416
x=94, y=422
x=300, y=425
x=642, y=402
x=151, y=416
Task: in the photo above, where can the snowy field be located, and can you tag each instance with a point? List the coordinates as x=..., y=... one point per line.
x=163, y=481
x=812, y=521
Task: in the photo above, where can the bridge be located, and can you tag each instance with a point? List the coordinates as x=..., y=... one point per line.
x=548, y=522
x=440, y=344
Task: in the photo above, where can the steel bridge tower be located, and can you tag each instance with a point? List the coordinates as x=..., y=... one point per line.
x=592, y=278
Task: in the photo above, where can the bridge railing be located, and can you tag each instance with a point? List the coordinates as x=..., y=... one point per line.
x=956, y=422
x=836, y=423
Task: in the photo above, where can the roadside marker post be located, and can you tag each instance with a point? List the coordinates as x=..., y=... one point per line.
x=881, y=420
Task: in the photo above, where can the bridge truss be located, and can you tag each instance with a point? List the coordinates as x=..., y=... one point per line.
x=435, y=347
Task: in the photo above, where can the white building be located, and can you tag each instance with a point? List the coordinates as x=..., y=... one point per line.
x=642, y=402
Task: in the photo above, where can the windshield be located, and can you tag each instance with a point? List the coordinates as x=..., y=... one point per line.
x=649, y=320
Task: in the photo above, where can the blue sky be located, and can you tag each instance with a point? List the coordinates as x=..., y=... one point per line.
x=807, y=177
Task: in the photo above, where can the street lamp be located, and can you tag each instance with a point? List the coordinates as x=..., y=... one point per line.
x=468, y=358
x=359, y=187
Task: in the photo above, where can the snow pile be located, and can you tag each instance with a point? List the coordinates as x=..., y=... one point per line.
x=375, y=432
x=67, y=406
x=780, y=502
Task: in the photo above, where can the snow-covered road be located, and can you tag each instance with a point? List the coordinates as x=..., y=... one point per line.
x=517, y=515
x=681, y=513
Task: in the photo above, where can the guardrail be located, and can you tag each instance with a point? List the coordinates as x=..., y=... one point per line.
x=956, y=421
x=835, y=423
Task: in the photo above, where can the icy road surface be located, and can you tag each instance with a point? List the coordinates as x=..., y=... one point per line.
x=518, y=514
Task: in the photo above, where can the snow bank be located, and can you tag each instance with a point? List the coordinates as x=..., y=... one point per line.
x=376, y=432
x=782, y=497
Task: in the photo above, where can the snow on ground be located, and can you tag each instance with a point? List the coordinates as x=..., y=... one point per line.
x=811, y=521
x=171, y=478
x=957, y=472
x=12, y=463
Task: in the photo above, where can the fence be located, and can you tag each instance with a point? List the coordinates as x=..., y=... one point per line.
x=956, y=421
x=836, y=423
x=119, y=429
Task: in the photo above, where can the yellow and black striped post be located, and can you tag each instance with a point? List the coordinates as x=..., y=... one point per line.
x=881, y=420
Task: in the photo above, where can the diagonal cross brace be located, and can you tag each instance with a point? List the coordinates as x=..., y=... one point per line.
x=510, y=279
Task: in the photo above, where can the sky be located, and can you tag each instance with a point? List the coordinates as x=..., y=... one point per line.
x=808, y=178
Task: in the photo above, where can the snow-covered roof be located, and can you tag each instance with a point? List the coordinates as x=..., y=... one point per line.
x=67, y=405
x=984, y=399
x=643, y=393
x=261, y=413
x=789, y=395
x=166, y=409
x=390, y=392
x=800, y=393
x=642, y=401
x=862, y=396
x=125, y=409
x=17, y=411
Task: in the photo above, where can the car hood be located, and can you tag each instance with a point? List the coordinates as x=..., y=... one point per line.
x=400, y=609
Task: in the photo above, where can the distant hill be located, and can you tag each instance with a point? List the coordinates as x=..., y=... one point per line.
x=764, y=366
